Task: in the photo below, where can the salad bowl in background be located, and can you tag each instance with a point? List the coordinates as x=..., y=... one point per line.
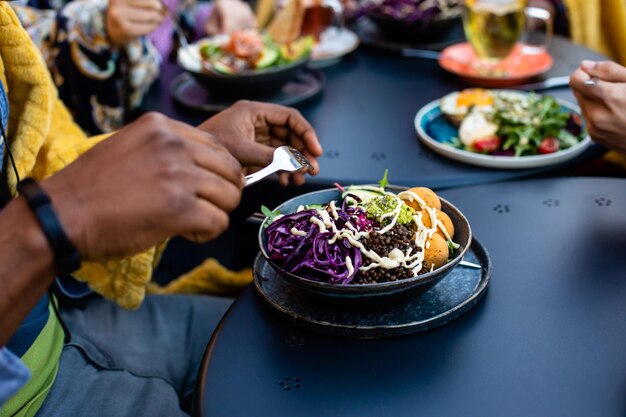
x=418, y=30
x=241, y=85
x=376, y=295
x=407, y=20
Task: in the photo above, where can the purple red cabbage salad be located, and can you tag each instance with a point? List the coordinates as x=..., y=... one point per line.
x=313, y=253
x=411, y=11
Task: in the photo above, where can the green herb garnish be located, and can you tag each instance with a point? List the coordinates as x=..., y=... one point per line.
x=524, y=122
x=384, y=182
x=271, y=215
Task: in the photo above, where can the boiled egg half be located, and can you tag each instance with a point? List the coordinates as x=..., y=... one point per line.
x=458, y=104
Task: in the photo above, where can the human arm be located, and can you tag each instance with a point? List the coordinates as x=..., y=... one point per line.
x=127, y=20
x=153, y=179
x=252, y=130
x=26, y=266
x=228, y=16
x=603, y=104
x=100, y=77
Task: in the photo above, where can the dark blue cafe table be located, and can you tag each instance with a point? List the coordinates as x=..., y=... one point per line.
x=364, y=118
x=547, y=339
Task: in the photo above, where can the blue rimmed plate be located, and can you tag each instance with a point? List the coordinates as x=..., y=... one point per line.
x=437, y=133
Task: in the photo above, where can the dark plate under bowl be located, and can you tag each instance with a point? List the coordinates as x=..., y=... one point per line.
x=370, y=295
x=416, y=31
x=246, y=85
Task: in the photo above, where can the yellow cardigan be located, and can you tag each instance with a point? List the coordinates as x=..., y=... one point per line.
x=44, y=139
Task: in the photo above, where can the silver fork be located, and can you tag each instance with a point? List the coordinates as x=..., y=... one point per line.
x=182, y=39
x=285, y=158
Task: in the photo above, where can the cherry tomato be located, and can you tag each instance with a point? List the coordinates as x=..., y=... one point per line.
x=548, y=145
x=488, y=144
x=245, y=44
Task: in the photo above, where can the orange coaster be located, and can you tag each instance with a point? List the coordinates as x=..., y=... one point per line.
x=518, y=68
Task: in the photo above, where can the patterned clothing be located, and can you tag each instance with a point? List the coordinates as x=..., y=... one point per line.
x=99, y=83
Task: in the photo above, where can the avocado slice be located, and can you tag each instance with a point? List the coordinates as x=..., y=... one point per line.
x=210, y=51
x=223, y=68
x=267, y=58
x=297, y=49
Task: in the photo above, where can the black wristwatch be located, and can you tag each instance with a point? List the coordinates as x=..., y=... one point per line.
x=66, y=257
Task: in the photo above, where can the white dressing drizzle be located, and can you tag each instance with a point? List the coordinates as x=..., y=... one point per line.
x=326, y=219
x=396, y=257
x=349, y=266
x=297, y=232
x=437, y=224
x=333, y=210
x=395, y=213
x=320, y=224
x=411, y=196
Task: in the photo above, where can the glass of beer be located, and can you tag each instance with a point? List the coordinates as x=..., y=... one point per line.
x=494, y=27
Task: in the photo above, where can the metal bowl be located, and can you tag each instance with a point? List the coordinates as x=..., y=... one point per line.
x=245, y=85
x=370, y=295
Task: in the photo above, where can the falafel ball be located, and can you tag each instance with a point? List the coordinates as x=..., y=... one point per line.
x=436, y=252
x=426, y=194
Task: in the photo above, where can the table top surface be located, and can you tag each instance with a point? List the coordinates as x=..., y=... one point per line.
x=547, y=339
x=364, y=118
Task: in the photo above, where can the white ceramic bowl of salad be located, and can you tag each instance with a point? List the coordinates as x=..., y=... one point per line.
x=436, y=129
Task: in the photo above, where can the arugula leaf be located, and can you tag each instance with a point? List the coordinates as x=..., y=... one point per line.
x=384, y=182
x=450, y=246
x=271, y=215
x=523, y=123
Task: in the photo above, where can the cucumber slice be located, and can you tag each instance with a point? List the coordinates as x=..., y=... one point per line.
x=365, y=195
x=267, y=58
x=297, y=49
x=315, y=206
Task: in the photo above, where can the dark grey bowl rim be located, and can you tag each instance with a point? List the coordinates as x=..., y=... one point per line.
x=391, y=285
x=437, y=19
x=249, y=74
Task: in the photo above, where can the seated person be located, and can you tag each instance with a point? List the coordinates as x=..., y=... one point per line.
x=151, y=180
x=603, y=105
x=599, y=24
x=105, y=54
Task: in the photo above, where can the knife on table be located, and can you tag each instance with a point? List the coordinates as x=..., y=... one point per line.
x=547, y=84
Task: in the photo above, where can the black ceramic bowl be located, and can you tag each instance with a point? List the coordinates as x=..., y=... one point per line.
x=370, y=295
x=245, y=85
x=417, y=31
